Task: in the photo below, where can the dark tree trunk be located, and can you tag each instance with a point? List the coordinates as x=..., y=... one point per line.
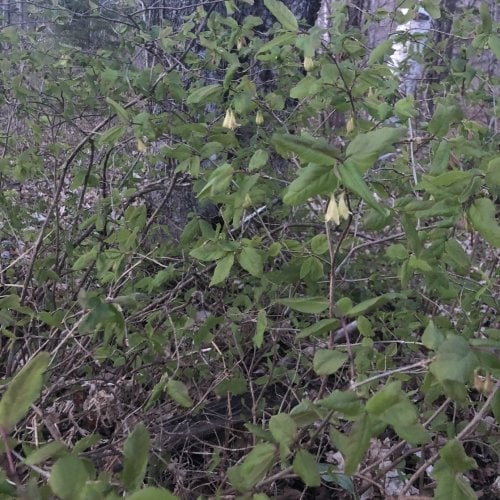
x=174, y=10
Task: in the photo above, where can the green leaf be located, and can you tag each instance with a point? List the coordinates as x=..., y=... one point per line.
x=309, y=149
x=397, y=252
x=432, y=337
x=451, y=484
x=312, y=180
x=178, y=391
x=345, y=402
x=305, y=413
x=22, y=391
x=309, y=43
x=85, y=443
x=453, y=487
x=308, y=86
x=405, y=108
x=419, y=264
x=251, y=261
x=342, y=306
x=152, y=493
x=119, y=109
x=210, y=251
x=486, y=20
x=494, y=44
x=371, y=304
x=482, y=217
x=455, y=361
x=328, y=361
x=234, y=386
x=258, y=160
x=357, y=443
x=228, y=77
x=443, y=117
x=305, y=466
x=364, y=326
x=364, y=150
x=254, y=467
x=7, y=489
x=49, y=450
x=112, y=135
x=319, y=244
x=432, y=7
x=283, y=429
x=456, y=459
x=457, y=254
x=319, y=328
x=135, y=457
x=392, y=406
x=381, y=52
x=222, y=270
x=353, y=181
x=86, y=259
x=260, y=328
x=493, y=173
x=283, y=14
x=384, y=399
x=68, y=477
x=311, y=305
x=277, y=41
x=441, y=158
x=311, y=269
x=218, y=181
x=204, y=94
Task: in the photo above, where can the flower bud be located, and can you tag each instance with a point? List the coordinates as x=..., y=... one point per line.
x=141, y=147
x=308, y=64
x=259, y=118
x=241, y=43
x=349, y=126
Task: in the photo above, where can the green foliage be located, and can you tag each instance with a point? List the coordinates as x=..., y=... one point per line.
x=135, y=457
x=68, y=477
x=22, y=391
x=253, y=468
x=316, y=336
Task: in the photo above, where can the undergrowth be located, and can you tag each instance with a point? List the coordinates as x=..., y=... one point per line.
x=332, y=332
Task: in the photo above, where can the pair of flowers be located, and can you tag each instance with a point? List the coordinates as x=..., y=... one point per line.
x=231, y=123
x=337, y=211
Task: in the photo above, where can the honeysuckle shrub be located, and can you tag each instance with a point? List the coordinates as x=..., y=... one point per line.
x=344, y=301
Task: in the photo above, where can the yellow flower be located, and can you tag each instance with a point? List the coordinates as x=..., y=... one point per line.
x=309, y=64
x=259, y=118
x=332, y=212
x=344, y=211
x=141, y=147
x=230, y=120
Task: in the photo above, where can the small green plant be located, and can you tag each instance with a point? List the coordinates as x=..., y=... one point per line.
x=335, y=330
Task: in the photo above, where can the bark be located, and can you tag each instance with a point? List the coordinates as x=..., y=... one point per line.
x=175, y=10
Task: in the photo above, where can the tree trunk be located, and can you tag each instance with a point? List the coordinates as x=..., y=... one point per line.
x=175, y=10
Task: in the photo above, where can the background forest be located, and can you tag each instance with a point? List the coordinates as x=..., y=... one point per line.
x=249, y=249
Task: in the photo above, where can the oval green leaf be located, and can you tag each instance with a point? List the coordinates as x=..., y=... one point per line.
x=22, y=391
x=327, y=361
